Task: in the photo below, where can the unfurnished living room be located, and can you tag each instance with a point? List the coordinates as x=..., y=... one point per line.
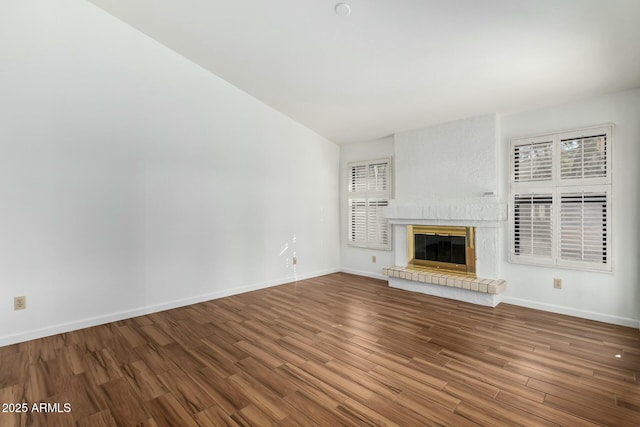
x=319, y=213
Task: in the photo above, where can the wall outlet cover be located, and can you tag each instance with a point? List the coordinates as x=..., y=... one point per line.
x=20, y=303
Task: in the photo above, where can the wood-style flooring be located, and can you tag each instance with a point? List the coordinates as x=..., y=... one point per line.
x=330, y=351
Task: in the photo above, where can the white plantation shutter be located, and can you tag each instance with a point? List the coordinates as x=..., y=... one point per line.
x=584, y=227
x=358, y=205
x=378, y=225
x=533, y=225
x=358, y=179
x=532, y=161
x=583, y=157
x=378, y=174
x=559, y=205
x=369, y=193
x=357, y=220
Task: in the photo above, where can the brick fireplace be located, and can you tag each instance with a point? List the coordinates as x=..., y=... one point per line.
x=485, y=215
x=447, y=176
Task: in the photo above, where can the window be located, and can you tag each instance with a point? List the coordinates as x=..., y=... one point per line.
x=560, y=206
x=369, y=192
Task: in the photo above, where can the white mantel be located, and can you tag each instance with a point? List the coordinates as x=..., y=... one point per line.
x=481, y=212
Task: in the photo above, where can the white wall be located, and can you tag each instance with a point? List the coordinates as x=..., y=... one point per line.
x=450, y=161
x=358, y=260
x=132, y=180
x=611, y=297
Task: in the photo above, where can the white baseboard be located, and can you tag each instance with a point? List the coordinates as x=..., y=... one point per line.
x=364, y=273
x=600, y=317
x=141, y=311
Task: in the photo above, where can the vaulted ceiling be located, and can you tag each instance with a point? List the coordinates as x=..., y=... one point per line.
x=394, y=65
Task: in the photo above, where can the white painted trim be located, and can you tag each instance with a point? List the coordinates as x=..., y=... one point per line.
x=584, y=314
x=364, y=273
x=114, y=317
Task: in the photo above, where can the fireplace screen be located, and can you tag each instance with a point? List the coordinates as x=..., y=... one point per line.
x=442, y=248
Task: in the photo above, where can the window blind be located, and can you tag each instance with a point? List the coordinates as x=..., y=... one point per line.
x=583, y=157
x=369, y=193
x=358, y=179
x=533, y=225
x=532, y=161
x=583, y=226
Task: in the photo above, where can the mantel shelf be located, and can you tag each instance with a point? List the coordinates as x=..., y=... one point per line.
x=471, y=213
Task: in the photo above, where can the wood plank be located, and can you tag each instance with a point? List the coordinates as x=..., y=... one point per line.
x=189, y=395
x=166, y=411
x=313, y=409
x=546, y=412
x=214, y=417
x=227, y=397
x=143, y=381
x=98, y=419
x=430, y=410
x=126, y=407
x=270, y=378
x=260, y=396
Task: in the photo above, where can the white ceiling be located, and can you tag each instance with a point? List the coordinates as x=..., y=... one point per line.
x=394, y=65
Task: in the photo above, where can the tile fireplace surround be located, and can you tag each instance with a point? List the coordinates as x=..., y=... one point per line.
x=487, y=215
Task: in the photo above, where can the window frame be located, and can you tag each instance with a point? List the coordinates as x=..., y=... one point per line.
x=368, y=196
x=556, y=185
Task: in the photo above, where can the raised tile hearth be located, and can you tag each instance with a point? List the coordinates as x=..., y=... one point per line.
x=474, y=290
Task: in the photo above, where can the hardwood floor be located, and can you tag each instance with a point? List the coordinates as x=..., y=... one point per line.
x=335, y=350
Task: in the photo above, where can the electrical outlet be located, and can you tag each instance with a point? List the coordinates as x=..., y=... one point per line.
x=373, y=259
x=295, y=260
x=557, y=283
x=20, y=303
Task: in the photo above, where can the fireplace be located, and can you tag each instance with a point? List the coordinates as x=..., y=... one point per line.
x=442, y=249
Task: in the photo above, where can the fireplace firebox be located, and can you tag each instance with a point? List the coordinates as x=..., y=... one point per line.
x=442, y=249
